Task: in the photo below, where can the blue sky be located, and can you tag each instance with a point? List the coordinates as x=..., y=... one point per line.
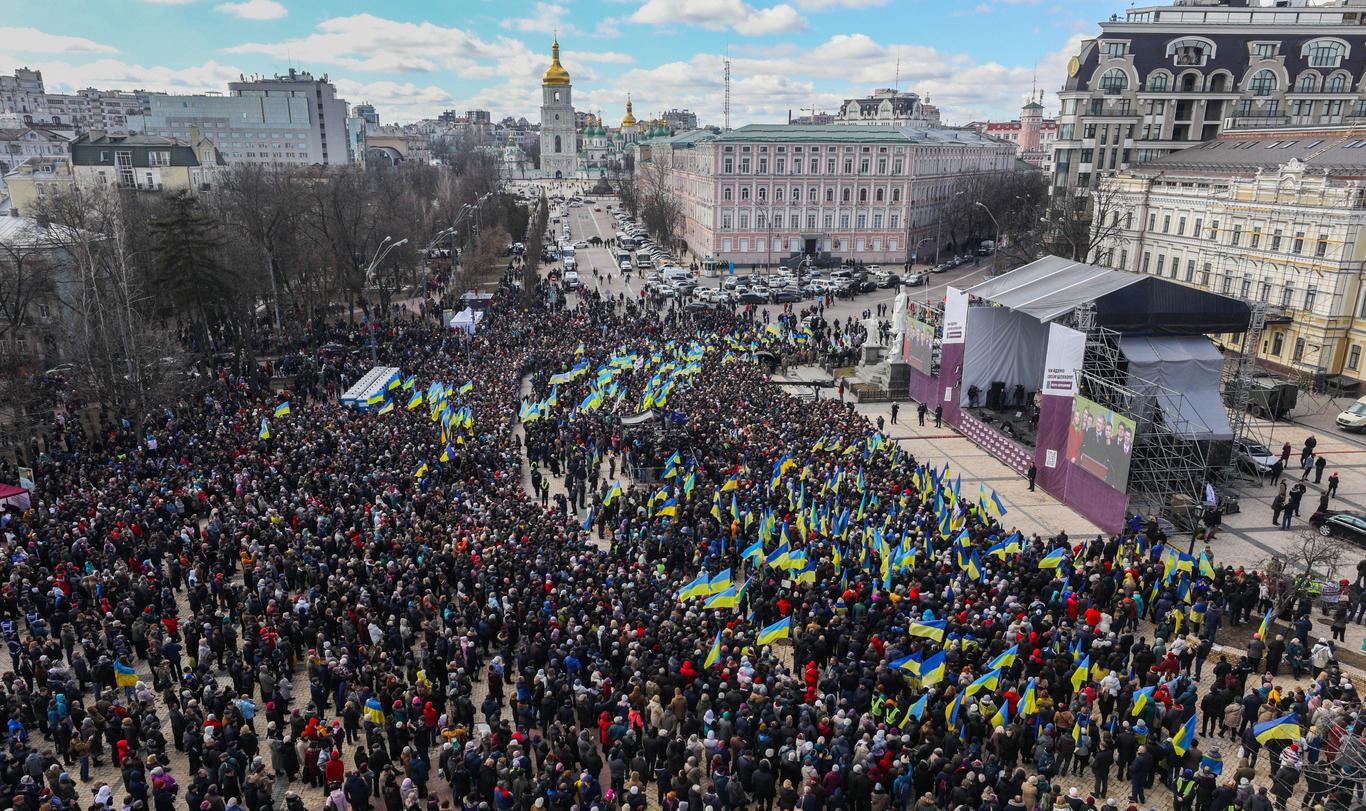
x=415, y=58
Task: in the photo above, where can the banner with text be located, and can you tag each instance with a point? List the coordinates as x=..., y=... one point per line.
x=1066, y=349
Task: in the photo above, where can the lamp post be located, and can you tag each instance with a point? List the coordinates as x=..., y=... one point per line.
x=382, y=251
x=1057, y=227
x=996, y=250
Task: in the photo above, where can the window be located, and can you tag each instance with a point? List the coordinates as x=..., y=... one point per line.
x=1245, y=289
x=1190, y=270
x=1115, y=50
x=1166, y=223
x=1337, y=83
x=896, y=195
x=1263, y=83
x=1144, y=269
x=863, y=195
x=1236, y=235
x=880, y=195
x=1264, y=50
x=1311, y=294
x=725, y=222
x=862, y=221
x=1266, y=291
x=829, y=195
x=1354, y=357
x=1321, y=248
x=1256, y=239
x=1157, y=81
x=1195, y=232
x=1277, y=344
x=1161, y=260
x=744, y=192
x=844, y=221
x=1190, y=52
x=1298, y=353
x=1123, y=259
x=729, y=166
x=1287, y=295
x=896, y=221
x=1227, y=285
x=1276, y=240
x=1114, y=81
x=1204, y=275
x=763, y=166
x=726, y=193
x=1324, y=53
x=1181, y=227
x=1307, y=83
x=1298, y=246
x=863, y=166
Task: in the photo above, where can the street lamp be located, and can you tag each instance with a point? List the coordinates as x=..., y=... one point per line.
x=997, y=248
x=382, y=251
x=1065, y=235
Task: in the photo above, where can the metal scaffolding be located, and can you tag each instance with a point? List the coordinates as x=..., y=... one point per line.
x=1168, y=465
x=1237, y=387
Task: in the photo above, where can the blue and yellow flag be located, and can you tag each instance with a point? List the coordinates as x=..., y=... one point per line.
x=421, y=471
x=1006, y=659
x=1029, y=702
x=988, y=680
x=721, y=582
x=1266, y=623
x=414, y=401
x=1053, y=559
x=1082, y=673
x=374, y=711
x=264, y=433
x=728, y=598
x=917, y=710
x=699, y=587
x=668, y=508
x=467, y=388
x=1002, y=716
x=778, y=630
x=1141, y=698
x=934, y=629
x=282, y=409
x=124, y=676
x=612, y=492
x=754, y=553
x=1181, y=741
x=713, y=653
x=932, y=669
x=1285, y=728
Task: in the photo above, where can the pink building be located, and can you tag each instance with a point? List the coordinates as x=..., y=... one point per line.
x=764, y=192
x=1031, y=133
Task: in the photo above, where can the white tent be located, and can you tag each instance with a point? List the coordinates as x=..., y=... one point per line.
x=467, y=320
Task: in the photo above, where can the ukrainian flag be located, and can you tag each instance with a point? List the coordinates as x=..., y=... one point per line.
x=917, y=709
x=934, y=629
x=1053, y=559
x=1206, y=568
x=124, y=676
x=415, y=400
x=697, y=588
x=668, y=508
x=612, y=492
x=731, y=484
x=588, y=521
x=410, y=382
x=1006, y=659
x=808, y=574
x=713, y=653
x=951, y=712
x=997, y=506
x=779, y=630
x=374, y=711
x=1080, y=675
x=754, y=552
x=421, y=471
x=467, y=388
x=282, y=409
x=1002, y=716
x=1029, y=702
x=264, y=433
x=688, y=483
x=906, y=664
x=387, y=407
x=1009, y=546
x=1141, y=700
x=1261, y=631
x=932, y=669
x=721, y=582
x=988, y=680
x=974, y=567
x=375, y=399
x=1181, y=741
x=729, y=598
x=778, y=558
x=1285, y=728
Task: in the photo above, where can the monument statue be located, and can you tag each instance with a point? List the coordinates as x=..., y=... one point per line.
x=898, y=324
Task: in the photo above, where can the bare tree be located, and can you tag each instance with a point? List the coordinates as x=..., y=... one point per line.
x=1311, y=557
x=1090, y=221
x=660, y=211
x=28, y=272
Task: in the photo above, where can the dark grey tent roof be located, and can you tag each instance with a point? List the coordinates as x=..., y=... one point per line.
x=1051, y=287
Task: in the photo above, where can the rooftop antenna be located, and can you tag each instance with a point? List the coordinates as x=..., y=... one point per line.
x=725, y=108
x=896, y=82
x=1034, y=83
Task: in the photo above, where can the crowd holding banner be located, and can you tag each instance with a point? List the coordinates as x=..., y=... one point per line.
x=283, y=601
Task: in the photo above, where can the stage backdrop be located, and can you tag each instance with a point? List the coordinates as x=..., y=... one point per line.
x=919, y=345
x=1006, y=345
x=1100, y=442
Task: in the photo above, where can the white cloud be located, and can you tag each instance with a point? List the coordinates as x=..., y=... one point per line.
x=546, y=18
x=605, y=57
x=116, y=74
x=367, y=43
x=253, y=9
x=778, y=19
x=168, y=2
x=824, y=5
x=717, y=15
x=397, y=101
x=31, y=40
x=609, y=27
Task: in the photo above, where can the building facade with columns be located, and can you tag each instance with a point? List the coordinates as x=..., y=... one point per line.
x=764, y=192
x=1275, y=216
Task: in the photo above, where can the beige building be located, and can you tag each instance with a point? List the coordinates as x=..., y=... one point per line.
x=146, y=162
x=1273, y=216
x=34, y=180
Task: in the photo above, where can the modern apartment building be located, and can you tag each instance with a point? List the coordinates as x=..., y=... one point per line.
x=762, y=192
x=1163, y=78
x=285, y=120
x=1276, y=216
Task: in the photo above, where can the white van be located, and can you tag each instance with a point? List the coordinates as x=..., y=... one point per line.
x=1354, y=418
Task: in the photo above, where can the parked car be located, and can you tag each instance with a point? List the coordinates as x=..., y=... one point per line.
x=942, y=267
x=1354, y=418
x=915, y=279
x=785, y=295
x=1345, y=525
x=571, y=279
x=1254, y=457
x=581, y=244
x=753, y=297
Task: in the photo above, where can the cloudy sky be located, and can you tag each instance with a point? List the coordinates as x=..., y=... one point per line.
x=415, y=58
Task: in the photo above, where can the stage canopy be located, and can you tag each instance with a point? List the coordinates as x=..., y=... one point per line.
x=1178, y=376
x=1052, y=287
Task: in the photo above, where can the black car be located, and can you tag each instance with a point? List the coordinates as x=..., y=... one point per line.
x=751, y=297
x=1344, y=525
x=784, y=296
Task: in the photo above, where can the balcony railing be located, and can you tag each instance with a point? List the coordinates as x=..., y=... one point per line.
x=1245, y=122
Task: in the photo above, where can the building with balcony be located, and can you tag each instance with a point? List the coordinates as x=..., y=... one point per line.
x=764, y=192
x=1164, y=78
x=889, y=108
x=1276, y=216
x=146, y=162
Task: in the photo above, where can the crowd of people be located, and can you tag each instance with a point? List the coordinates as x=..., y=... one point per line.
x=254, y=600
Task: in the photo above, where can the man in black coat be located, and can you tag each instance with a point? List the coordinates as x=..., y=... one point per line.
x=1139, y=772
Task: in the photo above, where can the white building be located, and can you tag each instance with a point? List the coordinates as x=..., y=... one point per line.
x=293, y=119
x=559, y=138
x=889, y=108
x=23, y=96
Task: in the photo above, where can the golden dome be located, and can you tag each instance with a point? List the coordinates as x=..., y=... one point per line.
x=629, y=120
x=555, y=74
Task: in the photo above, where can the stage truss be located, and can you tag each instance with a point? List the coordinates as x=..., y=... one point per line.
x=1168, y=465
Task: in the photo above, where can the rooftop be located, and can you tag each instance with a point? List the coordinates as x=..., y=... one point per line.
x=1328, y=150
x=841, y=133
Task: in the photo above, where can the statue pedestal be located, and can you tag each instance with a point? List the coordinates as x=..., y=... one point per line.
x=898, y=378
x=873, y=354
